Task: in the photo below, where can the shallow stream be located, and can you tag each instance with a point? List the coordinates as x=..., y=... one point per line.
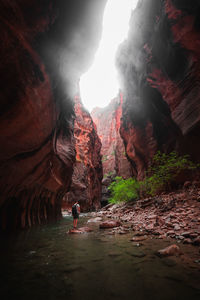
x=46, y=263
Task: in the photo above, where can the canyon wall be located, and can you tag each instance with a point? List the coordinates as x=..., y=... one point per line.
x=114, y=159
x=159, y=74
x=107, y=121
x=87, y=175
x=41, y=59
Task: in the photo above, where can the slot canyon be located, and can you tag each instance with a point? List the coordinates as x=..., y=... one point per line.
x=54, y=151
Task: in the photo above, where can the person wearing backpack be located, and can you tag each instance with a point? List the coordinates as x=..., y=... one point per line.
x=75, y=213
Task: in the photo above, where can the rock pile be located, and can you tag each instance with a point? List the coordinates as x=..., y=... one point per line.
x=175, y=215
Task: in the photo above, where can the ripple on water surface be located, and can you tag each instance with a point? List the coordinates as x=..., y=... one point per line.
x=45, y=262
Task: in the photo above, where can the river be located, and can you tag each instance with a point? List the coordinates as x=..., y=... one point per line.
x=47, y=263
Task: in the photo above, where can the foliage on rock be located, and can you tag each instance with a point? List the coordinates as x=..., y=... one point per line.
x=164, y=170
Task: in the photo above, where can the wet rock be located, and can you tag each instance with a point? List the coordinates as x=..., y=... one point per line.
x=162, y=236
x=150, y=227
x=177, y=227
x=157, y=232
x=196, y=241
x=169, y=251
x=95, y=220
x=139, y=233
x=186, y=234
x=170, y=232
x=152, y=217
x=194, y=235
x=109, y=224
x=139, y=239
x=79, y=230
x=187, y=241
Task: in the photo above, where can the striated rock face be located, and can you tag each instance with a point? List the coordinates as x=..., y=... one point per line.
x=87, y=176
x=107, y=121
x=36, y=120
x=159, y=66
x=37, y=153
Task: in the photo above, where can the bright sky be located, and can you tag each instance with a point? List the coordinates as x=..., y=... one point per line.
x=99, y=85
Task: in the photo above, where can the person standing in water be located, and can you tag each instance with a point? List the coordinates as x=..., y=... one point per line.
x=75, y=213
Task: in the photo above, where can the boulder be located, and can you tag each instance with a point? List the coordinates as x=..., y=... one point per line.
x=186, y=234
x=187, y=241
x=169, y=251
x=109, y=224
x=138, y=238
x=79, y=230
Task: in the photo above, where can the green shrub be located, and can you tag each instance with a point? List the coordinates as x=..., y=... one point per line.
x=164, y=170
x=123, y=190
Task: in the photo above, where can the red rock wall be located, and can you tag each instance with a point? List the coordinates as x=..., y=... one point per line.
x=40, y=60
x=107, y=121
x=37, y=154
x=159, y=67
x=87, y=176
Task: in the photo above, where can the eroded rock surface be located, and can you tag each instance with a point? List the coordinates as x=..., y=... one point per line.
x=159, y=65
x=37, y=152
x=114, y=159
x=87, y=176
x=107, y=121
x=38, y=41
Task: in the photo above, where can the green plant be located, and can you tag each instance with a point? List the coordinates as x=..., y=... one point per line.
x=123, y=190
x=164, y=169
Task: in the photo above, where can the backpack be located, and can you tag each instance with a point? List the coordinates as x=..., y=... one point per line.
x=74, y=209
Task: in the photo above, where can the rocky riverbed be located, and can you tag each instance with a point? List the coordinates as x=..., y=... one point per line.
x=174, y=216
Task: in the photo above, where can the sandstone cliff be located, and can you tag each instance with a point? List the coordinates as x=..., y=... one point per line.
x=37, y=152
x=40, y=60
x=159, y=67
x=87, y=175
x=107, y=121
